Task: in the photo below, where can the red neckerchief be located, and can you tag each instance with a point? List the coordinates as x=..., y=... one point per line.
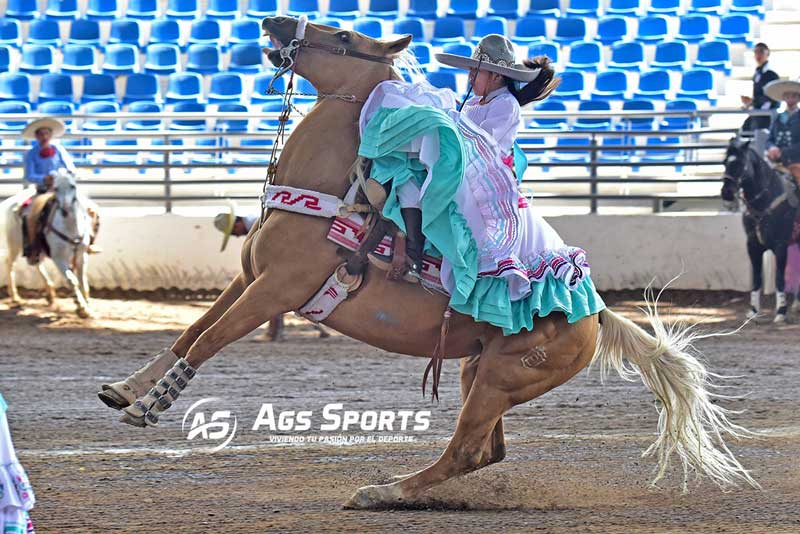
x=48, y=152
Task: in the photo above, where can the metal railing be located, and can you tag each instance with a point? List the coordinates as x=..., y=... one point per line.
x=698, y=148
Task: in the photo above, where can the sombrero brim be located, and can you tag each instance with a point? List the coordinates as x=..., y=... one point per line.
x=230, y=222
x=466, y=63
x=55, y=125
x=776, y=89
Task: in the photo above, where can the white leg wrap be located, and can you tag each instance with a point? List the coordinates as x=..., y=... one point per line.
x=145, y=411
x=780, y=300
x=124, y=393
x=755, y=304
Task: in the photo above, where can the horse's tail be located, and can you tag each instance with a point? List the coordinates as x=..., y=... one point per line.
x=690, y=424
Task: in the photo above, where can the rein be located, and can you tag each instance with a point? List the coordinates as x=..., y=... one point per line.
x=74, y=241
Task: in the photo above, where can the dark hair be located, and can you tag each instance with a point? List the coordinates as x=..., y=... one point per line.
x=762, y=46
x=544, y=84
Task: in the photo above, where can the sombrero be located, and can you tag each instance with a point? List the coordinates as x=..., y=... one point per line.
x=224, y=222
x=55, y=125
x=496, y=54
x=775, y=90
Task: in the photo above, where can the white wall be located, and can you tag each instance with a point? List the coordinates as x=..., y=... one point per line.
x=146, y=253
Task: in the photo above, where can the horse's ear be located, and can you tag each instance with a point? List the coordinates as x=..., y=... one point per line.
x=398, y=45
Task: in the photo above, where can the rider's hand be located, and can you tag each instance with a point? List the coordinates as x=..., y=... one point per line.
x=746, y=100
x=48, y=182
x=774, y=153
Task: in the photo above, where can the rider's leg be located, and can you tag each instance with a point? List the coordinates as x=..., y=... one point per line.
x=408, y=194
x=794, y=168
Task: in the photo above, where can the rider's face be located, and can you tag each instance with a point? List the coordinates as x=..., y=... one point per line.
x=43, y=136
x=484, y=82
x=761, y=56
x=791, y=99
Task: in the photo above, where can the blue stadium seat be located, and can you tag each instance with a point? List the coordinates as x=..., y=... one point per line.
x=670, y=55
x=572, y=86
x=585, y=55
x=667, y=8
x=197, y=125
x=571, y=155
x=9, y=32
x=84, y=32
x=625, y=8
x=258, y=9
x=222, y=10
x=487, y=25
x=100, y=125
x=677, y=122
x=457, y=49
x=142, y=106
x=442, y=79
x=530, y=30
x=638, y=123
x=123, y=159
x=260, y=94
x=255, y=158
x=508, y=9
x=142, y=9
x=693, y=28
x=78, y=59
x=184, y=87
x=226, y=87
x=246, y=58
x=583, y=8
x=383, y=9
x=447, y=30
x=663, y=155
x=423, y=52
x=11, y=106
x=102, y=10
x=182, y=10
x=587, y=122
x=165, y=31
x=653, y=29
x=424, y=9
x=121, y=59
x=44, y=32
x=569, y=30
x=627, y=55
x=611, y=156
x=55, y=86
x=98, y=87
x=697, y=84
x=545, y=48
x=203, y=59
x=465, y=9
x=244, y=31
x=162, y=59
x=714, y=55
x=58, y=107
x=343, y=9
x=736, y=29
x=126, y=31
x=369, y=26
x=5, y=58
x=612, y=29
x=22, y=9
x=749, y=7
x=15, y=86
x=549, y=123
x=231, y=125
x=707, y=7
x=141, y=87
x=653, y=85
x=36, y=59
x=413, y=26
x=62, y=10
x=205, y=31
x=610, y=85
x=304, y=7
x=333, y=22
x=545, y=8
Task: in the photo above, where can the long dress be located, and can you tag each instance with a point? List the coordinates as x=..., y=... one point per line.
x=16, y=495
x=501, y=262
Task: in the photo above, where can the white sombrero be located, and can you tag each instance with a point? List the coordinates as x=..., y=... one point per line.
x=55, y=125
x=494, y=53
x=224, y=222
x=775, y=90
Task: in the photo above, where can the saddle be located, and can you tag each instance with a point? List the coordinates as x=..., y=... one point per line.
x=40, y=209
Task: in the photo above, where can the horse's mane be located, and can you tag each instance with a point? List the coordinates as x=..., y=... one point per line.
x=405, y=62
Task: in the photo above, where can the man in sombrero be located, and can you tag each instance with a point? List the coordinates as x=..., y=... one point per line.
x=783, y=144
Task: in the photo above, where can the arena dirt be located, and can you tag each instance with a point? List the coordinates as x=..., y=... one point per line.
x=573, y=461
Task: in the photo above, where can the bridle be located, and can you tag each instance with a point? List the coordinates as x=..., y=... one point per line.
x=65, y=211
x=747, y=169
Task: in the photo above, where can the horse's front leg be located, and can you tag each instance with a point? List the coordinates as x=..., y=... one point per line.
x=82, y=271
x=62, y=259
x=755, y=251
x=781, y=256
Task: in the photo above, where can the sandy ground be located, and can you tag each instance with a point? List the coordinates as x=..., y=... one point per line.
x=573, y=461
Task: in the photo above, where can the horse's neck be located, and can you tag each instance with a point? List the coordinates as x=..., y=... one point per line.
x=764, y=178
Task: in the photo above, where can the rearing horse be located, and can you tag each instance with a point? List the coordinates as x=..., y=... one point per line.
x=771, y=207
x=287, y=258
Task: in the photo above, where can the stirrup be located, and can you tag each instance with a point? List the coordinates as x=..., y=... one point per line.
x=383, y=264
x=376, y=194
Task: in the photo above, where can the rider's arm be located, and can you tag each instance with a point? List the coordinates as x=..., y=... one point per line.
x=503, y=122
x=30, y=170
x=772, y=129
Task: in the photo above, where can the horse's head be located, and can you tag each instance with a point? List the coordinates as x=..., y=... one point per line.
x=332, y=59
x=738, y=168
x=66, y=190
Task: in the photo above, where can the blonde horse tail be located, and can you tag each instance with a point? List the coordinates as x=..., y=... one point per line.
x=690, y=425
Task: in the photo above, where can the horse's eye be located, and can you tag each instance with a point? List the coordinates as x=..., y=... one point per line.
x=344, y=37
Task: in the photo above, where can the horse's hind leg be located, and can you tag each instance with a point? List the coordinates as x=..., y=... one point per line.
x=49, y=287
x=13, y=293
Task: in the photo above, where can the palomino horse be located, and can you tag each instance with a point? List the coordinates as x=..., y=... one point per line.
x=287, y=258
x=67, y=232
x=771, y=206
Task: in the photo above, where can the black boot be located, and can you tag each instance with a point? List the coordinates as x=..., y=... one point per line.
x=415, y=241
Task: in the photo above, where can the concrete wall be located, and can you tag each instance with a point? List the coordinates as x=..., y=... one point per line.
x=166, y=251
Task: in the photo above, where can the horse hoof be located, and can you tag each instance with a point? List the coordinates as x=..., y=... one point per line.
x=780, y=319
x=83, y=313
x=752, y=314
x=112, y=399
x=375, y=497
x=131, y=420
x=51, y=299
x=15, y=303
